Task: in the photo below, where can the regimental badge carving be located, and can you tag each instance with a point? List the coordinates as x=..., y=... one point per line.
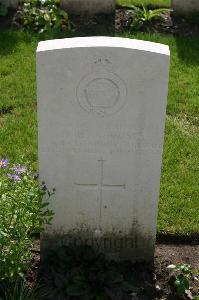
x=101, y=93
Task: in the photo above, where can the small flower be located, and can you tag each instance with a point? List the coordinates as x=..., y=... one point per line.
x=14, y=177
x=3, y=163
x=20, y=169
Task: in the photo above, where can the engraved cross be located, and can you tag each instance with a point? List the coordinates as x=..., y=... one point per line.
x=100, y=186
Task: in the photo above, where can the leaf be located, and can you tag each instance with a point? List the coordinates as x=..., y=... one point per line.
x=181, y=284
x=184, y=268
x=47, y=18
x=133, y=7
x=63, y=14
x=3, y=233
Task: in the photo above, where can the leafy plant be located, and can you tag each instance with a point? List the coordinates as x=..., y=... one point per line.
x=3, y=10
x=82, y=273
x=180, y=279
x=41, y=16
x=144, y=16
x=22, y=213
x=18, y=291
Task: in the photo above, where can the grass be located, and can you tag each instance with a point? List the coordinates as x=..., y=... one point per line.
x=17, y=95
x=179, y=205
x=150, y=3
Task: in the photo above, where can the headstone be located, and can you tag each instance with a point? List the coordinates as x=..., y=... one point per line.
x=185, y=7
x=10, y=3
x=101, y=114
x=89, y=7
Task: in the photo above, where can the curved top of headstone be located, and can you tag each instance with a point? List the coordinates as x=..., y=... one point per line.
x=113, y=42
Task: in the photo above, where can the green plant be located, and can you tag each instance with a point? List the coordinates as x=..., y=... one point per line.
x=41, y=16
x=81, y=272
x=148, y=3
x=144, y=16
x=180, y=279
x=23, y=212
x=18, y=290
x=3, y=10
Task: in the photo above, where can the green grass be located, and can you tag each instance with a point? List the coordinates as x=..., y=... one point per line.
x=18, y=93
x=150, y=3
x=179, y=203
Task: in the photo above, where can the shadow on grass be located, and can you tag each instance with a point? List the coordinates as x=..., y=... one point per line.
x=188, y=49
x=188, y=43
x=10, y=37
x=8, y=41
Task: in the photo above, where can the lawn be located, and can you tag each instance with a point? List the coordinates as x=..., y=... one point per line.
x=179, y=205
x=150, y=3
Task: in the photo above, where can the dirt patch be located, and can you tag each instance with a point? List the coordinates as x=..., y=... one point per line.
x=174, y=254
x=32, y=274
x=73, y=269
x=6, y=110
x=178, y=254
x=171, y=24
x=109, y=24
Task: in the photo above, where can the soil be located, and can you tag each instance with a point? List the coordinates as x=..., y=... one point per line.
x=171, y=24
x=150, y=281
x=111, y=24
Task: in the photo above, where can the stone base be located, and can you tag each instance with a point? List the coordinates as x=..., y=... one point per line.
x=185, y=7
x=114, y=246
x=96, y=25
x=88, y=7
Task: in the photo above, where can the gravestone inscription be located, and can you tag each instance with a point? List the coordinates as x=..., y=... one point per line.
x=101, y=115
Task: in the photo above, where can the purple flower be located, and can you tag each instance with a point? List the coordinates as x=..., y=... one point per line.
x=20, y=169
x=3, y=163
x=14, y=177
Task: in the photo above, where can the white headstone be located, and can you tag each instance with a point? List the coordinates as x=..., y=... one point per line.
x=101, y=113
x=90, y=7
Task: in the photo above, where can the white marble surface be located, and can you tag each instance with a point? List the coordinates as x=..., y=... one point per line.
x=101, y=116
x=103, y=41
